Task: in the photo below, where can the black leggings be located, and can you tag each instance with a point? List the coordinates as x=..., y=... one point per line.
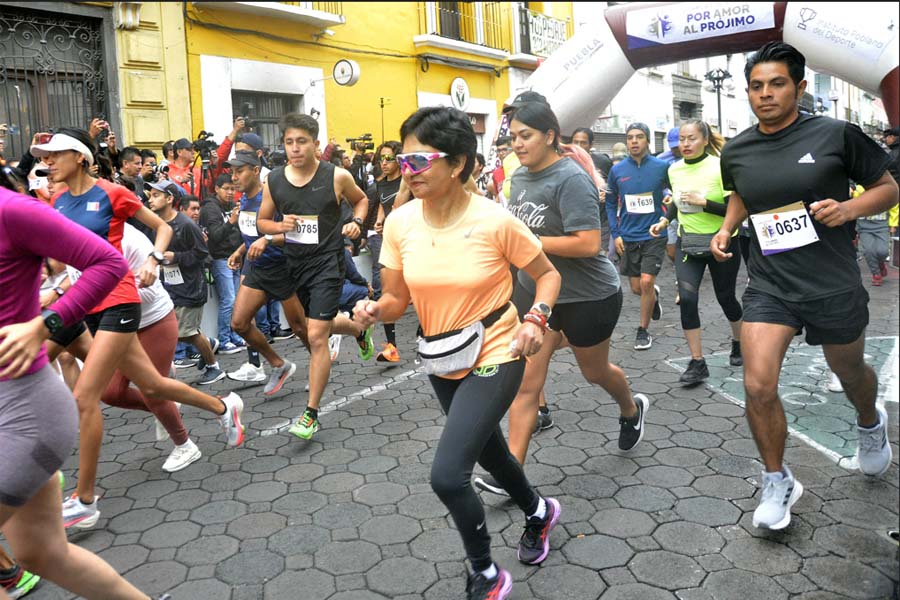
x=690, y=269
x=474, y=406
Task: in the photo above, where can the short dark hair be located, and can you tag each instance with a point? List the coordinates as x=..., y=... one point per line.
x=480, y=158
x=145, y=154
x=299, y=121
x=588, y=131
x=168, y=147
x=129, y=152
x=538, y=115
x=504, y=140
x=85, y=138
x=395, y=147
x=182, y=202
x=446, y=129
x=223, y=179
x=778, y=52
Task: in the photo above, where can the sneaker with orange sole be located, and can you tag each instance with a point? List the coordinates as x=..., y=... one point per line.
x=389, y=354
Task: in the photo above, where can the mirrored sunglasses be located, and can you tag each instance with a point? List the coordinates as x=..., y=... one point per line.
x=414, y=163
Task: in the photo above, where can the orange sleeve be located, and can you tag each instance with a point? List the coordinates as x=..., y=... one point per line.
x=516, y=241
x=390, y=246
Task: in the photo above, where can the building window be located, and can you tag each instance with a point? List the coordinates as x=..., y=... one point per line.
x=265, y=110
x=473, y=22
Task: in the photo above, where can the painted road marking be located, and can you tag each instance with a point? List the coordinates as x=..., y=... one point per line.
x=824, y=420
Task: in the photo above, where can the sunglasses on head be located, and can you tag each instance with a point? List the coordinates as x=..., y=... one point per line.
x=388, y=158
x=414, y=163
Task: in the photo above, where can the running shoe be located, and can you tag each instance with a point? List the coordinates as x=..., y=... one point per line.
x=196, y=356
x=231, y=420
x=534, y=546
x=877, y=280
x=161, y=433
x=211, y=375
x=366, y=346
x=389, y=354
x=642, y=340
x=334, y=346
x=183, y=363
x=181, y=457
x=230, y=348
x=696, y=372
x=283, y=334
x=248, y=372
x=779, y=493
x=835, y=385
x=278, y=376
x=736, y=359
x=214, y=344
x=631, y=429
x=489, y=484
x=544, y=420
x=20, y=583
x=305, y=426
x=78, y=515
x=479, y=587
x=657, y=308
x=874, y=450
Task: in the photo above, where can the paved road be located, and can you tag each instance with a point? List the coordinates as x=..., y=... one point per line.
x=351, y=515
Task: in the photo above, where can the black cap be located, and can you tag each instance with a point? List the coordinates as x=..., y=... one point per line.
x=524, y=98
x=184, y=144
x=895, y=131
x=244, y=157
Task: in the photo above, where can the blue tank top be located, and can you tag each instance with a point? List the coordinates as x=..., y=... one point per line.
x=247, y=222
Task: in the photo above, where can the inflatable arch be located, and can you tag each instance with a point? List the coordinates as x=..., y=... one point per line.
x=854, y=42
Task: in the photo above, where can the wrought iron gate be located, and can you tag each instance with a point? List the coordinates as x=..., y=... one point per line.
x=51, y=74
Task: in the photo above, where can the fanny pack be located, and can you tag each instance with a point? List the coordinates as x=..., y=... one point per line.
x=455, y=350
x=696, y=244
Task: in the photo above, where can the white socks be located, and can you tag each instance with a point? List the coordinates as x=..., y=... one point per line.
x=491, y=572
x=541, y=511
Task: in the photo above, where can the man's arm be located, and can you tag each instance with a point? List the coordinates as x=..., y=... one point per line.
x=347, y=188
x=878, y=197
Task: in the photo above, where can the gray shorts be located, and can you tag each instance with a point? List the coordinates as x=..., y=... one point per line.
x=189, y=319
x=643, y=258
x=38, y=429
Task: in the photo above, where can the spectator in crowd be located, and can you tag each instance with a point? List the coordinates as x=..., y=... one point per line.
x=182, y=170
x=130, y=166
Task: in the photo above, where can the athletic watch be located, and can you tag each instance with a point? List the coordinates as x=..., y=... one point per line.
x=359, y=222
x=52, y=321
x=269, y=237
x=59, y=291
x=158, y=256
x=542, y=309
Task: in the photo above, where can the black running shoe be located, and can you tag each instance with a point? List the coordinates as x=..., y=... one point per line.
x=489, y=484
x=631, y=429
x=642, y=340
x=544, y=420
x=736, y=359
x=534, y=545
x=696, y=372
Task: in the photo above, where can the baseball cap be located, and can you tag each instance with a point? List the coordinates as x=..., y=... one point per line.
x=184, y=144
x=60, y=142
x=672, y=137
x=166, y=187
x=243, y=157
x=252, y=140
x=524, y=98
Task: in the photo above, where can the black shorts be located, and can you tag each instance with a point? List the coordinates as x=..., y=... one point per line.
x=839, y=319
x=66, y=336
x=121, y=318
x=274, y=280
x=318, y=281
x=643, y=258
x=585, y=324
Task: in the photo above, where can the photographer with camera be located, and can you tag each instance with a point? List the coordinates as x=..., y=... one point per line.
x=182, y=170
x=359, y=165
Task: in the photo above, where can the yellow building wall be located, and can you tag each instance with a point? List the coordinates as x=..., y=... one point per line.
x=153, y=77
x=379, y=27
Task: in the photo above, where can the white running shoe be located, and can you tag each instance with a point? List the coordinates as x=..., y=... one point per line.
x=334, y=346
x=248, y=372
x=78, y=515
x=161, y=433
x=779, y=493
x=181, y=457
x=874, y=450
x=834, y=385
x=231, y=420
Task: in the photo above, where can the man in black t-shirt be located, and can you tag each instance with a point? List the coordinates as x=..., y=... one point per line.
x=802, y=267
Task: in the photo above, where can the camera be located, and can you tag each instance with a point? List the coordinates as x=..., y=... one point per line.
x=157, y=171
x=246, y=107
x=204, y=145
x=361, y=143
x=277, y=157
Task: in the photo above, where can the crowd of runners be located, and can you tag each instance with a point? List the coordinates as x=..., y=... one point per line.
x=103, y=263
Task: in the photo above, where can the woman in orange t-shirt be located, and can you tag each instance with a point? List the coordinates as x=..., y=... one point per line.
x=450, y=252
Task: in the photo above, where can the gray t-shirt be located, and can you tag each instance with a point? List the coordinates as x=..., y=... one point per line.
x=554, y=202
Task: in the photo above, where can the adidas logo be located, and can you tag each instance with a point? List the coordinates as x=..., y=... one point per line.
x=807, y=160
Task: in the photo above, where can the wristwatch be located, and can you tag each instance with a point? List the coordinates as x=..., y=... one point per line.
x=59, y=291
x=52, y=321
x=359, y=222
x=269, y=237
x=158, y=256
x=542, y=309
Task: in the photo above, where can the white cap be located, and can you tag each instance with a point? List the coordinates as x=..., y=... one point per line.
x=60, y=142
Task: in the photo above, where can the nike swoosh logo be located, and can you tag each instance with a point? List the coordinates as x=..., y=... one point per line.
x=316, y=189
x=125, y=321
x=480, y=526
x=468, y=233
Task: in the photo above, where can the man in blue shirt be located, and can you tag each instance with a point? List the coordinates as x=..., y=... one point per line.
x=634, y=203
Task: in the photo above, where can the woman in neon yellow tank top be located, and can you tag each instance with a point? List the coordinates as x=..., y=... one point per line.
x=699, y=201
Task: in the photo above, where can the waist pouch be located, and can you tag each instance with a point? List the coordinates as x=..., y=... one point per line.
x=696, y=244
x=455, y=350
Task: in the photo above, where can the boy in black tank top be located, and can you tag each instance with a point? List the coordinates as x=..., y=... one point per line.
x=307, y=192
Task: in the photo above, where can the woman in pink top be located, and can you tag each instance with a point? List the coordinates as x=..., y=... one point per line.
x=32, y=444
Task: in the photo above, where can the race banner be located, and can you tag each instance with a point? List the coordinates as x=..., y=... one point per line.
x=687, y=22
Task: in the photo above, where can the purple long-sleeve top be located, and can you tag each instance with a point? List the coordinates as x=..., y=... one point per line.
x=30, y=231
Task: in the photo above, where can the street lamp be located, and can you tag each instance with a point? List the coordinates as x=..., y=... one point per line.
x=716, y=81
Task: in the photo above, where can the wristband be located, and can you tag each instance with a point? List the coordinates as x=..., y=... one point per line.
x=537, y=319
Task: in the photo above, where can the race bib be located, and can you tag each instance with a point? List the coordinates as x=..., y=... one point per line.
x=641, y=204
x=172, y=275
x=307, y=231
x=685, y=207
x=247, y=223
x=74, y=274
x=784, y=229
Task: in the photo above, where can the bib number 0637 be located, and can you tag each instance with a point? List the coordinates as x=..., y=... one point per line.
x=791, y=225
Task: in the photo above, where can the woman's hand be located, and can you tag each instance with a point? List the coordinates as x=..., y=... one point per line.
x=20, y=344
x=719, y=246
x=693, y=198
x=146, y=275
x=527, y=340
x=366, y=313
